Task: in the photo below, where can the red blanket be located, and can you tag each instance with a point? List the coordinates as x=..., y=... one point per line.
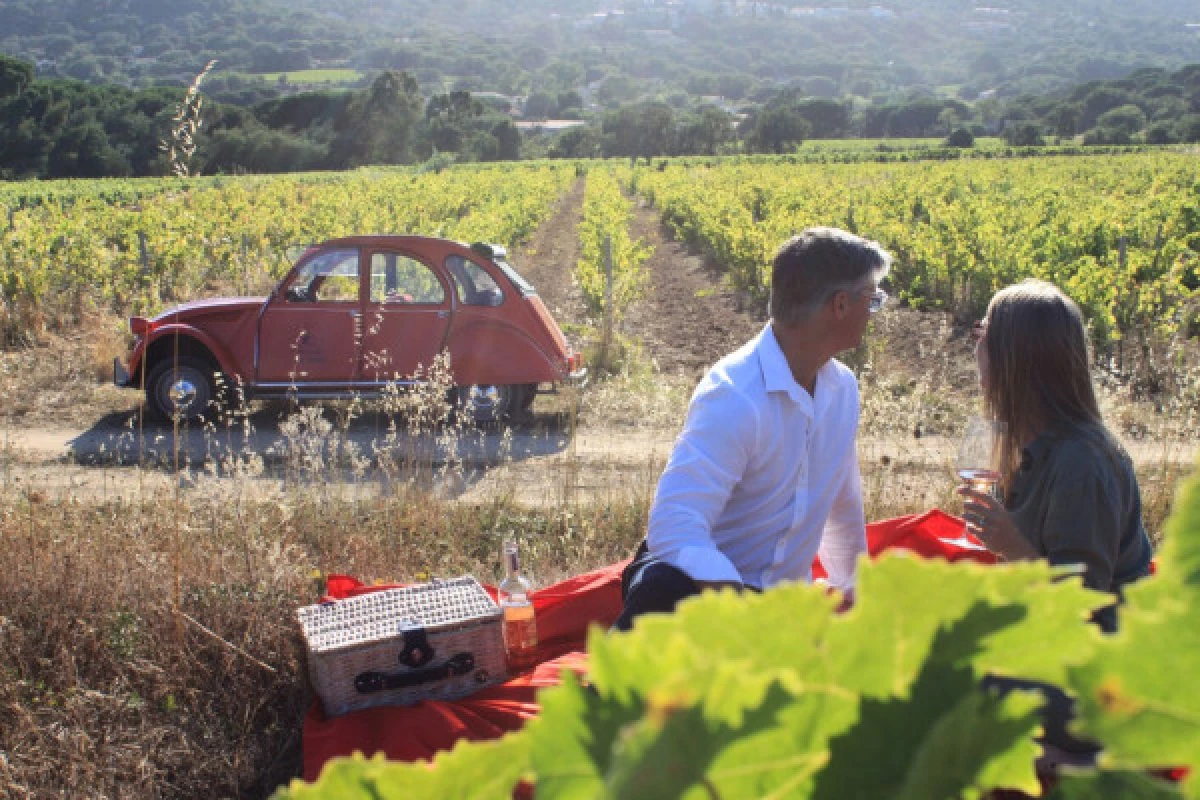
x=564, y=613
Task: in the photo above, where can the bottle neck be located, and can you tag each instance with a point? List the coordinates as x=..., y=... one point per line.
x=512, y=563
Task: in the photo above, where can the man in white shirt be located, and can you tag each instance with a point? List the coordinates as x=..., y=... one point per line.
x=765, y=474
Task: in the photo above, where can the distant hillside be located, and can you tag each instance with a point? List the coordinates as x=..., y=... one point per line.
x=607, y=53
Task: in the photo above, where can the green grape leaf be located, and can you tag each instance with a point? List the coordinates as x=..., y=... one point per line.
x=672, y=749
x=471, y=771
x=903, y=602
x=1113, y=785
x=714, y=664
x=946, y=737
x=1179, y=560
x=574, y=735
x=1137, y=695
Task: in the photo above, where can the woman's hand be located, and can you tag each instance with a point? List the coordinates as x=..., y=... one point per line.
x=987, y=519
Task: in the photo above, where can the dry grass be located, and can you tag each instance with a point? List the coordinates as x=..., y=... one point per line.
x=108, y=689
x=147, y=641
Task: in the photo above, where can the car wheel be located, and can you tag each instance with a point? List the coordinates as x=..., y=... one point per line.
x=488, y=405
x=528, y=393
x=186, y=388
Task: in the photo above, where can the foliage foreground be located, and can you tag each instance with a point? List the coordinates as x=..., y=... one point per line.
x=776, y=696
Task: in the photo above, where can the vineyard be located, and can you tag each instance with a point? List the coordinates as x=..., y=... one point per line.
x=1120, y=234
x=758, y=696
x=135, y=246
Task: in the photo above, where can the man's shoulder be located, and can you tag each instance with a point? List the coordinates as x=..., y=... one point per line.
x=740, y=369
x=842, y=376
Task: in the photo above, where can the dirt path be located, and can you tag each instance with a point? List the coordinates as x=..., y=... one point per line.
x=689, y=317
x=548, y=261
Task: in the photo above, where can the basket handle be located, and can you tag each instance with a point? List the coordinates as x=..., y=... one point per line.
x=370, y=682
x=416, y=651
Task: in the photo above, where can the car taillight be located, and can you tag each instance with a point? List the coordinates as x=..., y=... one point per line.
x=138, y=326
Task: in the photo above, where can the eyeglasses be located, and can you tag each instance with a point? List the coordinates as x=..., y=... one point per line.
x=878, y=298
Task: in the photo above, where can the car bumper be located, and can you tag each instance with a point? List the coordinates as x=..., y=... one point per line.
x=120, y=374
x=578, y=378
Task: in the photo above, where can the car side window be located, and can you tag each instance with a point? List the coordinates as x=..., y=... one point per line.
x=474, y=285
x=330, y=277
x=398, y=279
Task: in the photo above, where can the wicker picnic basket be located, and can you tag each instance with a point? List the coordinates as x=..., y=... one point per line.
x=438, y=640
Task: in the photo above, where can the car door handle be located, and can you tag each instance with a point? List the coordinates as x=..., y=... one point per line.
x=356, y=314
x=443, y=314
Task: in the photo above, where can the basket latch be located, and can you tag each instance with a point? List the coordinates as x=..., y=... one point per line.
x=416, y=650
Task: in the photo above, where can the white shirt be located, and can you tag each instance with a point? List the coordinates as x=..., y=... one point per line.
x=763, y=475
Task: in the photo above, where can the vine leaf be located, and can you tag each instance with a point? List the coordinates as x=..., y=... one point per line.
x=1137, y=695
x=471, y=771
x=1113, y=785
x=947, y=737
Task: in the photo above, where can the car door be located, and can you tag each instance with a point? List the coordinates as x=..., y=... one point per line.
x=406, y=318
x=309, y=334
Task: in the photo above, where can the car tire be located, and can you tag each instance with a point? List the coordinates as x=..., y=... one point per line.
x=186, y=387
x=528, y=393
x=488, y=406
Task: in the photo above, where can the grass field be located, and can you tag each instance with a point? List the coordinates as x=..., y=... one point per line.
x=311, y=75
x=860, y=145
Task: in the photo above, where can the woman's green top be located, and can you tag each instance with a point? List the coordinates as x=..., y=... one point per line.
x=1076, y=499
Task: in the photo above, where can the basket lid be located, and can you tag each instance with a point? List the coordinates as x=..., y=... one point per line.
x=388, y=613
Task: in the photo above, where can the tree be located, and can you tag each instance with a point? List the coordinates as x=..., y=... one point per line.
x=1064, y=119
x=581, y=142
x=1023, y=134
x=540, y=105
x=1099, y=100
x=379, y=125
x=643, y=130
x=1128, y=118
x=917, y=118
x=15, y=75
x=779, y=130
x=83, y=151
x=703, y=131
x=827, y=119
x=1160, y=133
x=1188, y=128
x=960, y=138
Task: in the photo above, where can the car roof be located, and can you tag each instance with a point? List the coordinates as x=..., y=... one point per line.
x=414, y=241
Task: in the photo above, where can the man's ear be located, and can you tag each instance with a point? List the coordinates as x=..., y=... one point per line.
x=840, y=303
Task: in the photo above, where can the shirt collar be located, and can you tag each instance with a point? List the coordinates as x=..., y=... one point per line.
x=777, y=375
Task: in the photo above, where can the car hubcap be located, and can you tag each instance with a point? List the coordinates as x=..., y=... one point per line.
x=182, y=394
x=484, y=398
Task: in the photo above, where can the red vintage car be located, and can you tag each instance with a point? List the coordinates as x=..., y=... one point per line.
x=353, y=317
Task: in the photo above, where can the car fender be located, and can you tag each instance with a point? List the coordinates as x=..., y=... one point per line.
x=225, y=360
x=487, y=352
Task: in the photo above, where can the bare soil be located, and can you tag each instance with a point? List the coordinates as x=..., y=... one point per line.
x=690, y=317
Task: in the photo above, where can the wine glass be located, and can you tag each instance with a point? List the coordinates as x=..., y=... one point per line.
x=978, y=463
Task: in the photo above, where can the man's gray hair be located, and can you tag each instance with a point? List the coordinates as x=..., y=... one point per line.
x=811, y=267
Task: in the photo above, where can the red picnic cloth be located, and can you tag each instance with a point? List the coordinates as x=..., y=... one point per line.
x=564, y=612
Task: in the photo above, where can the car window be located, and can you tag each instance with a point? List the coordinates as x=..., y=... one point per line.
x=475, y=287
x=399, y=279
x=331, y=277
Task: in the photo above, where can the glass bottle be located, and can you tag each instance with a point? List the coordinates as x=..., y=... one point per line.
x=520, y=626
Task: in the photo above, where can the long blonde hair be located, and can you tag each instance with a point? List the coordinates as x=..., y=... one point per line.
x=1038, y=369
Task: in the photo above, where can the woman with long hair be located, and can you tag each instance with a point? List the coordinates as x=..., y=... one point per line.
x=1068, y=492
